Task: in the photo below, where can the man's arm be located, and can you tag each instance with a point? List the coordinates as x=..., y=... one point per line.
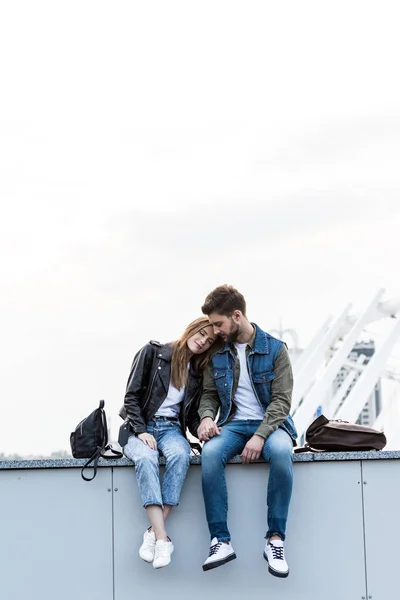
x=281, y=395
x=209, y=401
x=278, y=409
x=209, y=406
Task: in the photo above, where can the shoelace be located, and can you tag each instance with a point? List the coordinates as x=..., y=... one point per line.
x=149, y=542
x=214, y=549
x=277, y=552
x=161, y=550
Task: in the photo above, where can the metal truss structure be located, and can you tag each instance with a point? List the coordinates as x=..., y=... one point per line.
x=329, y=353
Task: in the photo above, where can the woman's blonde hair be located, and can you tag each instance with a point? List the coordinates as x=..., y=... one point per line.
x=181, y=354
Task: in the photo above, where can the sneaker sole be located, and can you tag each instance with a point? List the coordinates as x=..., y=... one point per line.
x=166, y=565
x=147, y=560
x=162, y=566
x=273, y=572
x=219, y=563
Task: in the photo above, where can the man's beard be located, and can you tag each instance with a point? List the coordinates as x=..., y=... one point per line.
x=234, y=333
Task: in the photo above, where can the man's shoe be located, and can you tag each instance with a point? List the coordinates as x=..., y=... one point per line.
x=220, y=553
x=146, y=550
x=162, y=554
x=274, y=554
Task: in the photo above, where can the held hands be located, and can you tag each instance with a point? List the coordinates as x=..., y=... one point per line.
x=207, y=429
x=252, y=449
x=148, y=439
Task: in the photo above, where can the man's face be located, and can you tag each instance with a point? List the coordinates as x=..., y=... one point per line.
x=226, y=327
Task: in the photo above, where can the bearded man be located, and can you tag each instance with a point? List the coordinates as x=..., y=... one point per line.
x=249, y=385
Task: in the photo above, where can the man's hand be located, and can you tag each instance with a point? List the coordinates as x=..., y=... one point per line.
x=207, y=429
x=148, y=439
x=252, y=449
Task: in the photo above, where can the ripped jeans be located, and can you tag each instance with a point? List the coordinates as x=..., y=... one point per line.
x=176, y=450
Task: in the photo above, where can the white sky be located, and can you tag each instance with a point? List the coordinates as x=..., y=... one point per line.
x=152, y=150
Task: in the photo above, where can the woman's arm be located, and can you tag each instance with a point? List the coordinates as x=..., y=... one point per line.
x=193, y=421
x=137, y=387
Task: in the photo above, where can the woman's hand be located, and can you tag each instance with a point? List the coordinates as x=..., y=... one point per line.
x=207, y=429
x=148, y=439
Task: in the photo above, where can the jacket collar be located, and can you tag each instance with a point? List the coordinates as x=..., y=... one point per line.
x=164, y=351
x=259, y=342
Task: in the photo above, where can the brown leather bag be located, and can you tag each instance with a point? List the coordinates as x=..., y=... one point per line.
x=341, y=436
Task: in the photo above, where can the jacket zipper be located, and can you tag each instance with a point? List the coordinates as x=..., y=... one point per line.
x=151, y=386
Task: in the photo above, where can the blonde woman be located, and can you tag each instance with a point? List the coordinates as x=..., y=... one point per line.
x=161, y=401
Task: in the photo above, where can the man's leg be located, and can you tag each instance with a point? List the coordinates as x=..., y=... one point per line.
x=216, y=452
x=278, y=451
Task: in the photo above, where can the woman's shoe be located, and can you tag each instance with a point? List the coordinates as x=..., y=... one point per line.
x=147, y=549
x=162, y=555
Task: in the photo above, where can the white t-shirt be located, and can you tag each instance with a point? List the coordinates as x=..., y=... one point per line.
x=248, y=406
x=171, y=405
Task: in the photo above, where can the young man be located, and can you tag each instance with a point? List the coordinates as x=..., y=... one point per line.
x=249, y=382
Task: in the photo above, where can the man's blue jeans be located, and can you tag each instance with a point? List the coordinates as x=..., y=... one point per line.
x=175, y=447
x=278, y=451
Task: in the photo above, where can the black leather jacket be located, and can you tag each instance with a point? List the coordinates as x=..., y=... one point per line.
x=147, y=389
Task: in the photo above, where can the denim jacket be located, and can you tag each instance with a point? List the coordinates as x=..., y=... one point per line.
x=271, y=377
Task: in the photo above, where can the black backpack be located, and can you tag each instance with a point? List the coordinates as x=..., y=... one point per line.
x=90, y=440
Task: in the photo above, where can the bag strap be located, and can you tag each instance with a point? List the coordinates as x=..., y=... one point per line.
x=95, y=459
x=104, y=423
x=109, y=448
x=195, y=448
x=100, y=452
x=306, y=448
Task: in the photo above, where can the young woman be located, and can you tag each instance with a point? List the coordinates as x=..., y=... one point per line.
x=161, y=401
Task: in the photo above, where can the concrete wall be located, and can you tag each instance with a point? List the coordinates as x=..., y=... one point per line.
x=64, y=538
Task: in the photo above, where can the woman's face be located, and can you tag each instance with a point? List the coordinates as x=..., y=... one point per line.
x=202, y=340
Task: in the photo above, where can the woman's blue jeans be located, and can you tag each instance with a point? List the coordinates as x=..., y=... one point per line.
x=278, y=451
x=176, y=450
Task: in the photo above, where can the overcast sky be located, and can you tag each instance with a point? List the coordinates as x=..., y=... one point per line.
x=150, y=151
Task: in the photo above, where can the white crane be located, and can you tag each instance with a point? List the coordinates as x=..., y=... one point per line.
x=338, y=339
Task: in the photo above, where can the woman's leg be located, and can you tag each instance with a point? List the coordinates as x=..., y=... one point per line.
x=148, y=478
x=176, y=450
x=167, y=511
x=157, y=520
x=147, y=471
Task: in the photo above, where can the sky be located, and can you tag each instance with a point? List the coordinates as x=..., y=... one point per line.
x=150, y=151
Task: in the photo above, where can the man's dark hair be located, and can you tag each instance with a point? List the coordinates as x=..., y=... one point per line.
x=224, y=300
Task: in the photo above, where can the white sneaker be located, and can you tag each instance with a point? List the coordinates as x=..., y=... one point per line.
x=146, y=550
x=220, y=553
x=274, y=554
x=162, y=554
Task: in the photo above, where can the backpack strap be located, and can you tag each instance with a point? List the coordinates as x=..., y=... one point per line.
x=95, y=459
x=109, y=448
x=100, y=452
